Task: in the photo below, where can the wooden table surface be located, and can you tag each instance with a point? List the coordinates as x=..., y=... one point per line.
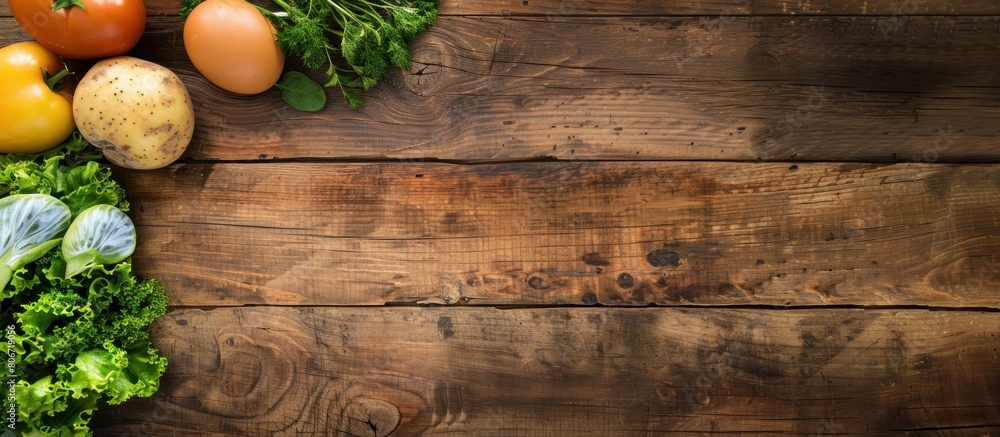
x=583, y=217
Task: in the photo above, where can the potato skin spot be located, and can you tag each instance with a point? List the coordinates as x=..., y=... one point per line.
x=114, y=154
x=163, y=128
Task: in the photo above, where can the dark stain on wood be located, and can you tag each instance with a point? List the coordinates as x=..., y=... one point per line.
x=445, y=326
x=642, y=292
x=595, y=259
x=663, y=258
x=538, y=282
x=625, y=281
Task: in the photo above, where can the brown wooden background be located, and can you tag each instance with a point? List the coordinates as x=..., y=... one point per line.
x=582, y=217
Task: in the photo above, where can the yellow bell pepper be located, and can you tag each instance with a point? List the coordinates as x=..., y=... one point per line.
x=33, y=117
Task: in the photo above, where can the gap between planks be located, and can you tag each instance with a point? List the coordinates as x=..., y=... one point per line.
x=943, y=161
x=516, y=307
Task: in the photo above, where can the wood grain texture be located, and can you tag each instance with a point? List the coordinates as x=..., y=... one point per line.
x=890, y=8
x=571, y=233
x=638, y=88
x=402, y=270
x=272, y=371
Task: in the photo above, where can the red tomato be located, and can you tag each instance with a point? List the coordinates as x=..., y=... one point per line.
x=100, y=29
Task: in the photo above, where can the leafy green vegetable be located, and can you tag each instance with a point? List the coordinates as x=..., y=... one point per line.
x=301, y=92
x=69, y=172
x=370, y=35
x=79, y=341
x=30, y=224
x=102, y=234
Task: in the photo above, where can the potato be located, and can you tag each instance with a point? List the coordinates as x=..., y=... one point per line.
x=137, y=112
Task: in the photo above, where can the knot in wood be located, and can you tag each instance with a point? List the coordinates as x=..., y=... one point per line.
x=367, y=416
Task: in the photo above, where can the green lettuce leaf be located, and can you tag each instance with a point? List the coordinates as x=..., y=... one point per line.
x=140, y=378
x=29, y=225
x=94, y=370
x=46, y=408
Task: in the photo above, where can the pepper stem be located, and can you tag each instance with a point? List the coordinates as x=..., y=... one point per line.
x=57, y=81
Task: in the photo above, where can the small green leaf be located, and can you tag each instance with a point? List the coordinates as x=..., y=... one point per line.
x=353, y=99
x=301, y=92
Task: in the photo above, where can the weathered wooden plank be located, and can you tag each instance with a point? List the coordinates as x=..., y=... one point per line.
x=482, y=371
x=891, y=8
x=571, y=233
x=737, y=88
x=771, y=88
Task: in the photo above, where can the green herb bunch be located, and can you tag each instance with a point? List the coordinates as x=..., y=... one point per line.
x=370, y=36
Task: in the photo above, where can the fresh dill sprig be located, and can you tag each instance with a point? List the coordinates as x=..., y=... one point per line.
x=370, y=36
